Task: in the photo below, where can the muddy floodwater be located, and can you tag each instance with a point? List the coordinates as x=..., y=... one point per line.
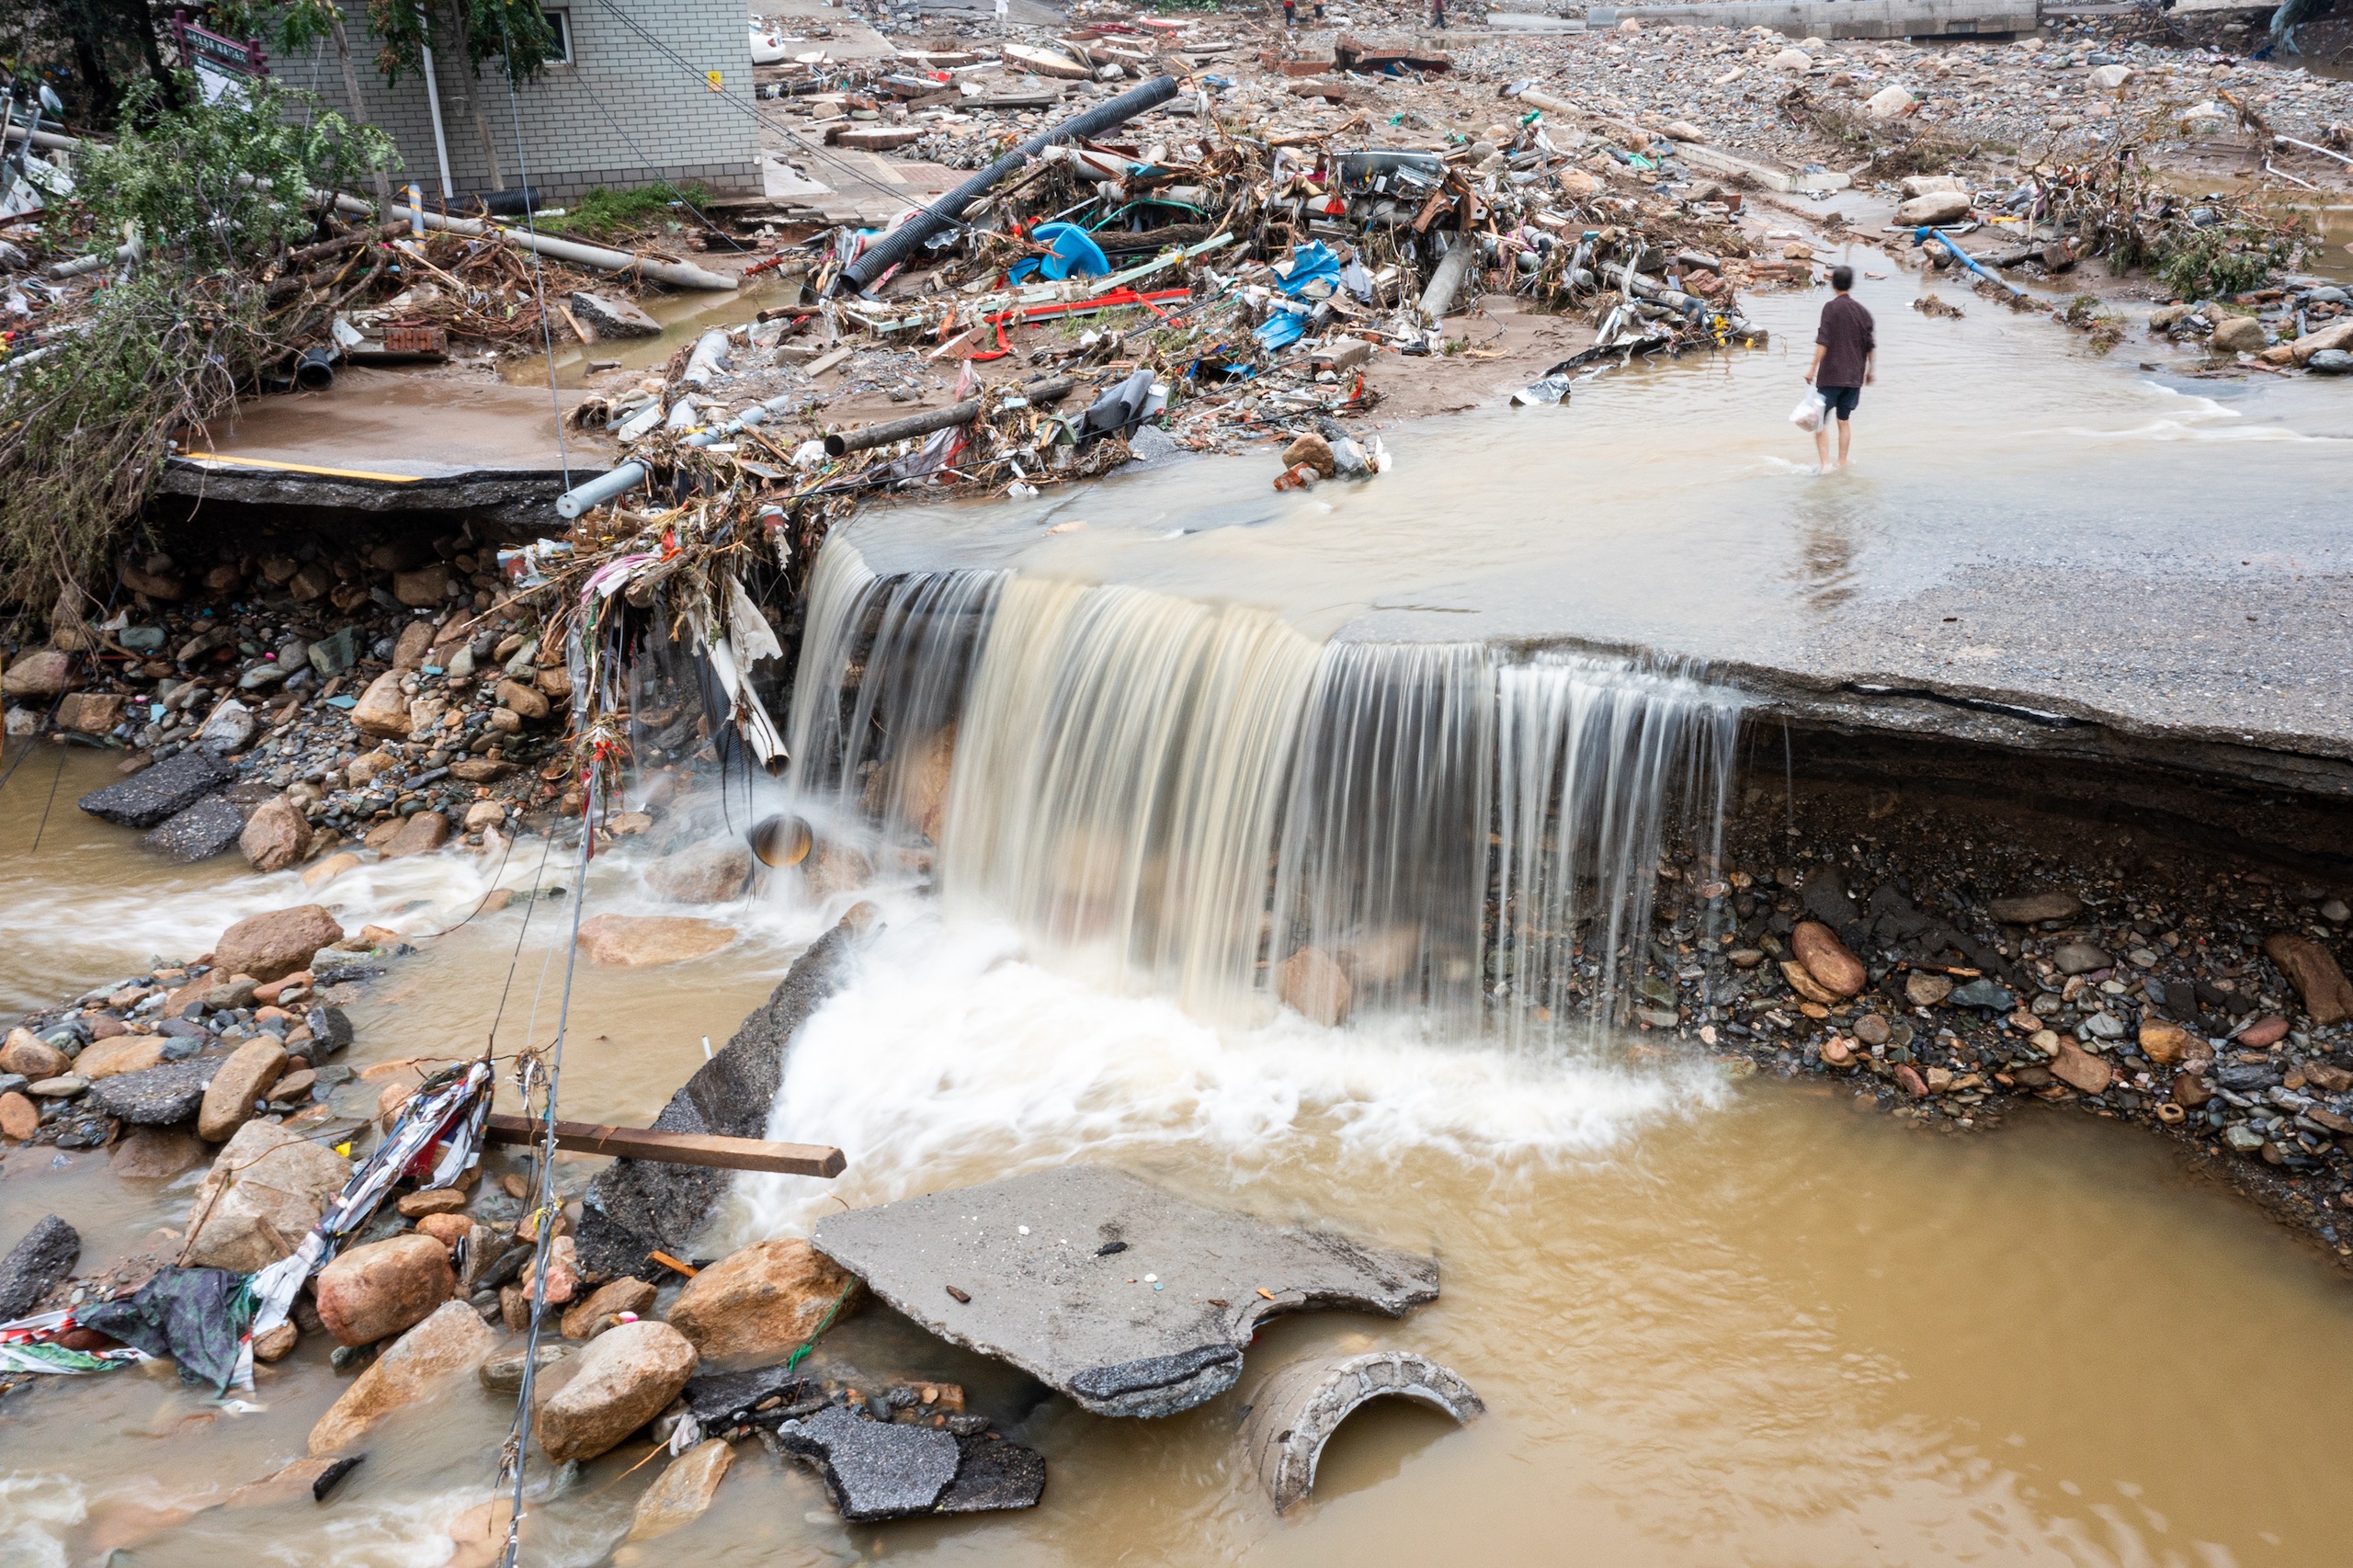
x=1716, y=1319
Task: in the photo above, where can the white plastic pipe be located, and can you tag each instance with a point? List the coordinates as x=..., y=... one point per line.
x=677, y=274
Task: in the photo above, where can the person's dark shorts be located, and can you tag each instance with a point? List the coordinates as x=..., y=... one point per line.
x=1840, y=401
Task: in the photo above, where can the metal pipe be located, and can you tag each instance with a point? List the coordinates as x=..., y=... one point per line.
x=1446, y=279
x=926, y=222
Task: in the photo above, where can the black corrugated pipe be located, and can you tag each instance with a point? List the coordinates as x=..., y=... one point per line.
x=903, y=241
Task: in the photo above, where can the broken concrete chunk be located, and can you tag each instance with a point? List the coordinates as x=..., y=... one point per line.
x=1295, y=1411
x=148, y=798
x=609, y=317
x=1018, y=1269
x=993, y=1475
x=873, y=1470
x=723, y=1401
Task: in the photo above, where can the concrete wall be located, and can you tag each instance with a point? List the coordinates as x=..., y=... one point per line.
x=579, y=120
x=1842, y=18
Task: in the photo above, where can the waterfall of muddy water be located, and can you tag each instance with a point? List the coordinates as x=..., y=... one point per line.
x=1179, y=797
x=1592, y=760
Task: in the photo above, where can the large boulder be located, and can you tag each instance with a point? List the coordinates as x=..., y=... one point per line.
x=275, y=944
x=420, y=834
x=276, y=834
x=1934, y=207
x=154, y=794
x=2338, y=334
x=261, y=1198
x=645, y=940
x=445, y=1346
x=374, y=1292
x=245, y=1077
x=760, y=1301
x=701, y=873
x=621, y=1380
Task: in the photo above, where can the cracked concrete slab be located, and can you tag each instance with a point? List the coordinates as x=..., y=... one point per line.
x=1130, y=1300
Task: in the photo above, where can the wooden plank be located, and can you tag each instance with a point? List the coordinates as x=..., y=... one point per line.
x=672, y=1148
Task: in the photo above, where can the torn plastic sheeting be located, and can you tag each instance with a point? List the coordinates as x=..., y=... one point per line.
x=1309, y=265
x=195, y=1316
x=448, y=1109
x=1123, y=407
x=1281, y=328
x=1074, y=251
x=32, y=1344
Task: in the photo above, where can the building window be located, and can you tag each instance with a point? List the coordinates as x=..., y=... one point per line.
x=560, y=24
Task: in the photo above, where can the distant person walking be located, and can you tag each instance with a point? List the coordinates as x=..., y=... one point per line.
x=1845, y=354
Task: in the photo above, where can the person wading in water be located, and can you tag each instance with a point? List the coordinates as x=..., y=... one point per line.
x=1845, y=352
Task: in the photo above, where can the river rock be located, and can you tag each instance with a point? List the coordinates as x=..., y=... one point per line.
x=760, y=1301
x=42, y=675
x=158, y=1097
x=276, y=944
x=623, y=1295
x=2338, y=334
x=702, y=873
x=959, y=1264
x=90, y=712
x=212, y=826
x=228, y=730
x=1803, y=982
x=2331, y=363
x=246, y=1076
x=154, y=794
x=634, y=1205
x=451, y=1342
x=1312, y=985
x=684, y=1490
x=25, y=1053
x=374, y=1292
x=424, y=587
x=2080, y=1070
x=1889, y=103
x=36, y=1264
x=2310, y=967
x=157, y=1153
x=328, y=870
x=2108, y=78
x=276, y=836
x=2029, y=908
x=1826, y=959
x=123, y=1053
x=643, y=940
x=383, y=708
x=2164, y=1043
x=277, y=1184
x=1924, y=990
x=1936, y=207
x=2080, y=958
x=420, y=834
x=1981, y=993
x=624, y=1377
x=20, y=1118
x=2239, y=334
x=1790, y=60
x=2260, y=1035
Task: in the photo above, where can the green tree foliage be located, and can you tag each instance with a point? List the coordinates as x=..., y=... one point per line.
x=214, y=195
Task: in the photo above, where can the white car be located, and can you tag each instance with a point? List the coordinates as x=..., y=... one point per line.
x=768, y=48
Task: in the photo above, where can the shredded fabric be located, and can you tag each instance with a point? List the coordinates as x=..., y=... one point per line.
x=195, y=1316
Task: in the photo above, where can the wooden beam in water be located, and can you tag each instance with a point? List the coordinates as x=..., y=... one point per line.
x=672, y=1148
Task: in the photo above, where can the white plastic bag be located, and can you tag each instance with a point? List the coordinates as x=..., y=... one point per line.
x=1808, y=415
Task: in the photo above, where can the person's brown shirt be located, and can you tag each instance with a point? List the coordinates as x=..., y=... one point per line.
x=1847, y=340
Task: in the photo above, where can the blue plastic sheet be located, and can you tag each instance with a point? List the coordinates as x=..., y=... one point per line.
x=1279, y=329
x=1075, y=251
x=1310, y=263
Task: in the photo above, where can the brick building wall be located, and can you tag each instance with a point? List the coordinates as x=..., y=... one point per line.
x=621, y=113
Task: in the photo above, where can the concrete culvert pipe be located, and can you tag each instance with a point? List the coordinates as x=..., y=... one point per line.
x=1294, y=1413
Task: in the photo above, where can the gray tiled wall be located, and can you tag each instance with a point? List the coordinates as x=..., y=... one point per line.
x=622, y=114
